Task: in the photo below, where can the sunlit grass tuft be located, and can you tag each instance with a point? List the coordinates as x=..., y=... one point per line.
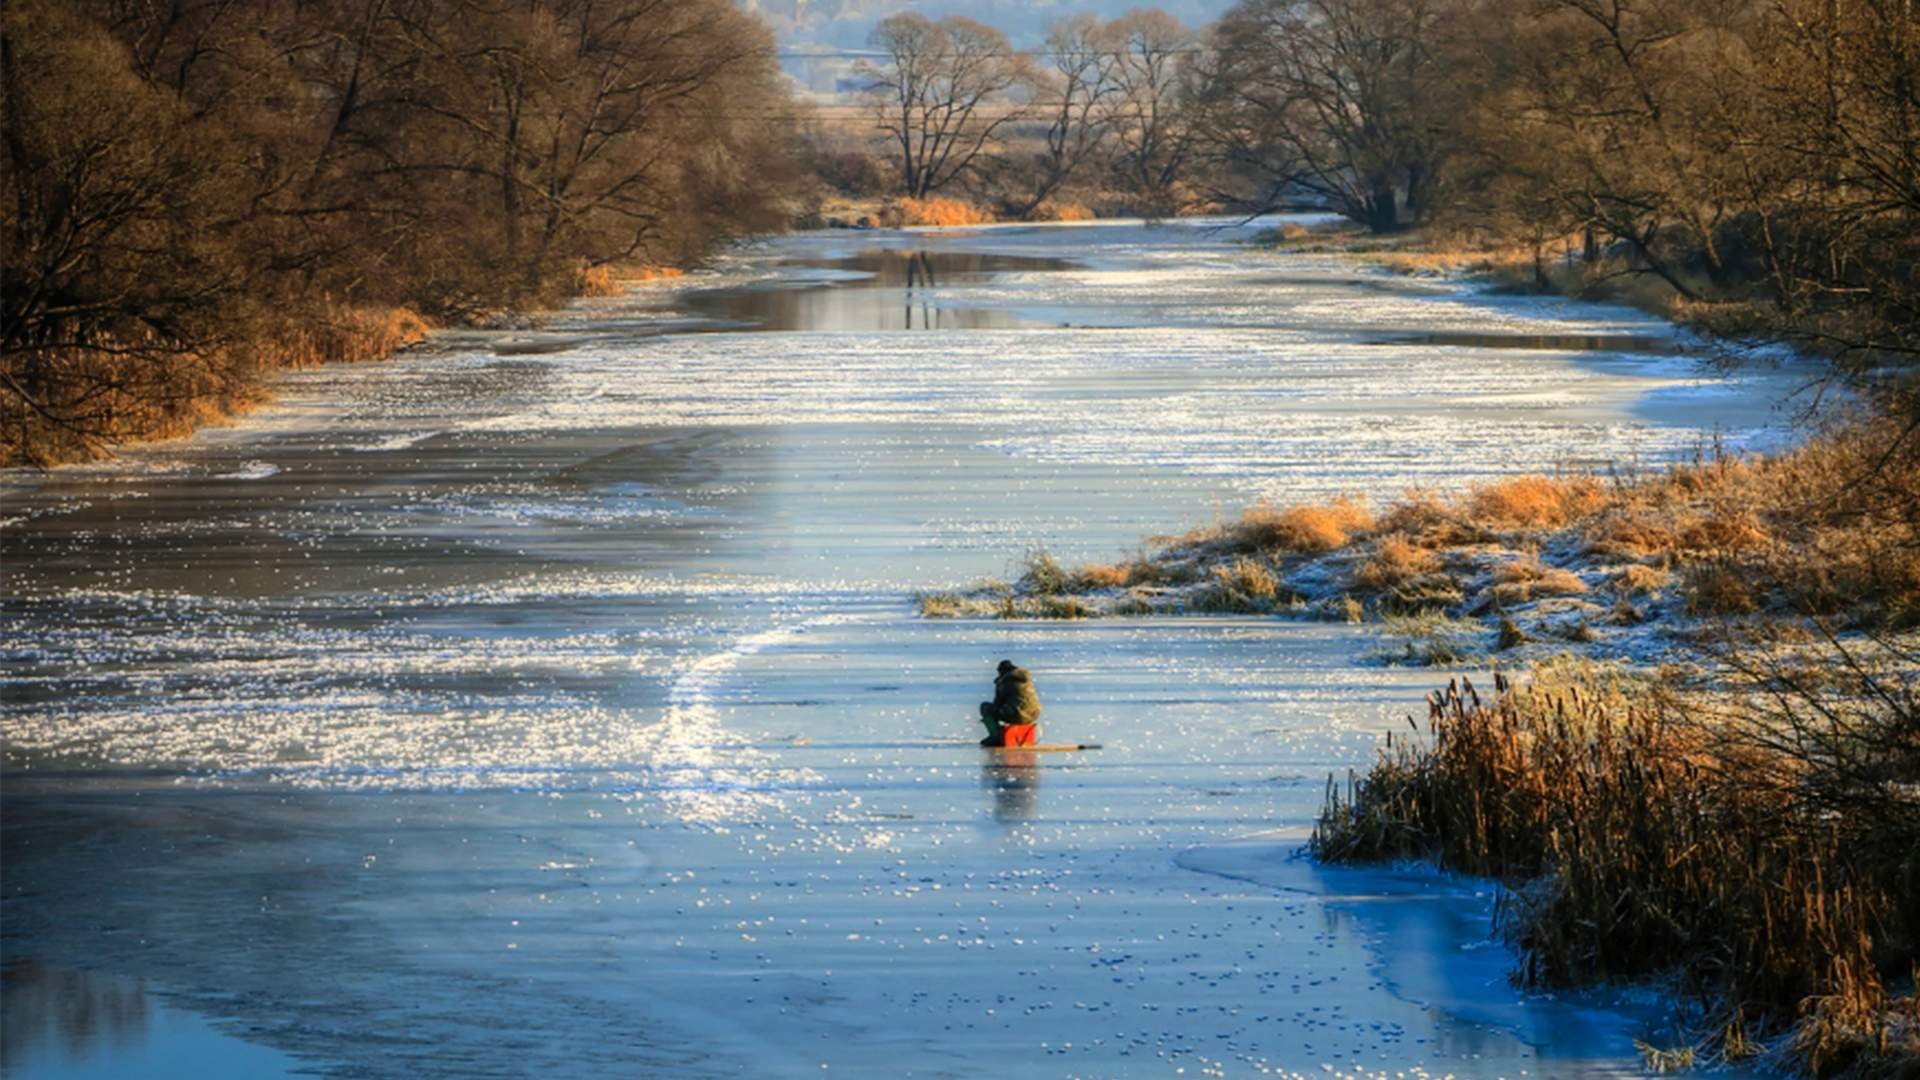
x=1748, y=852
x=1534, y=502
x=933, y=210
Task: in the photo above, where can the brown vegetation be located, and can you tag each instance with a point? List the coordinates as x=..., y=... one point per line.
x=1533, y=502
x=1517, y=581
x=195, y=193
x=1766, y=853
x=1097, y=121
x=1296, y=528
x=1831, y=529
x=1746, y=166
x=1060, y=210
x=1395, y=562
x=933, y=210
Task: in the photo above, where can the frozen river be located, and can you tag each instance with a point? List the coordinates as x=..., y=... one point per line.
x=552, y=702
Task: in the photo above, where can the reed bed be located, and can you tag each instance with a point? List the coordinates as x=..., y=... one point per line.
x=1765, y=857
x=1829, y=529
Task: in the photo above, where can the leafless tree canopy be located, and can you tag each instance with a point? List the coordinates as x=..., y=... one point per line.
x=945, y=90
x=1072, y=94
x=1759, y=157
x=1351, y=95
x=1148, y=109
x=196, y=190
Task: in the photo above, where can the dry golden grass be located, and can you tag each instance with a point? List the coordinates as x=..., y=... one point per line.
x=942, y=605
x=1639, y=838
x=1718, y=589
x=1723, y=531
x=1250, y=577
x=1831, y=528
x=342, y=335
x=1638, y=580
x=1043, y=575
x=1534, y=502
x=1516, y=571
x=1300, y=528
x=1630, y=533
x=1515, y=267
x=1435, y=261
x=596, y=281
x=1102, y=576
x=1395, y=561
x=609, y=280
x=933, y=210
x=1526, y=578
x=1060, y=210
x=1431, y=521
x=651, y=272
x=1062, y=607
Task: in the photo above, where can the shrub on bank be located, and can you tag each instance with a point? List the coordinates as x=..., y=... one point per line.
x=1263, y=527
x=933, y=210
x=1060, y=210
x=1830, y=528
x=1766, y=856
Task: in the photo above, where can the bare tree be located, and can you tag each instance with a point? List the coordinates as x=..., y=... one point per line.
x=1150, y=120
x=193, y=192
x=1072, y=97
x=944, y=91
x=1237, y=154
x=1354, y=90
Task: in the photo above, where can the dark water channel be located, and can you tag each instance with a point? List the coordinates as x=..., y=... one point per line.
x=876, y=289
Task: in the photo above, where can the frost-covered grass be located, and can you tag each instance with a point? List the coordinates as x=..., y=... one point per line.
x=1608, y=564
x=1432, y=640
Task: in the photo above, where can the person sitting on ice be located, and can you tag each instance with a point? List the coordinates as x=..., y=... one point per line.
x=1012, y=716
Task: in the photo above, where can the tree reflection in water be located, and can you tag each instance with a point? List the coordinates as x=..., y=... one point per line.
x=46, y=1009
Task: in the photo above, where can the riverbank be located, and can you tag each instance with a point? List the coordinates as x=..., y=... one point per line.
x=1734, y=314
x=1755, y=851
x=1738, y=821
x=218, y=385
x=171, y=242
x=892, y=212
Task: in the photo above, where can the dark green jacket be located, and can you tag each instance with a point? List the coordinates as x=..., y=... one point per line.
x=1014, y=700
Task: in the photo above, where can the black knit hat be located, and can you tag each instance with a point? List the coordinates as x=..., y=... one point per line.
x=1006, y=666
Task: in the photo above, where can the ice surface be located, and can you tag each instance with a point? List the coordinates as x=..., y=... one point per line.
x=553, y=702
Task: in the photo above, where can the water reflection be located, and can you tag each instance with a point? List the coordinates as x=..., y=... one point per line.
x=1014, y=778
x=876, y=289
x=47, y=1010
